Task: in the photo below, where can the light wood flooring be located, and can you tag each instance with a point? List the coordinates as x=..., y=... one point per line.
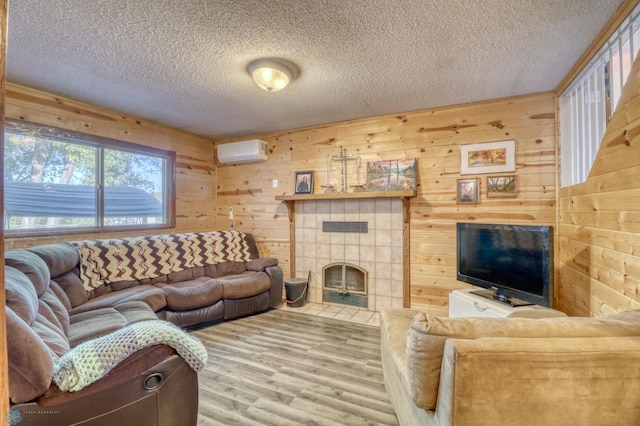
x=287, y=368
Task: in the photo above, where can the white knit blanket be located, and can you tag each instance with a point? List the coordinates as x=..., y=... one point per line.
x=94, y=359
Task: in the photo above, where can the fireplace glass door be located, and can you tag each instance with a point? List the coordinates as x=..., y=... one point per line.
x=344, y=278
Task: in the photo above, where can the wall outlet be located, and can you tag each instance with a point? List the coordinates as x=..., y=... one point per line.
x=275, y=183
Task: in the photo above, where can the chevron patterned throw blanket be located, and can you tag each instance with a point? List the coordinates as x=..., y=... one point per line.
x=114, y=260
x=94, y=359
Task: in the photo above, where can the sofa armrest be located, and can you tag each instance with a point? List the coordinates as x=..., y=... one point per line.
x=277, y=284
x=498, y=380
x=141, y=360
x=165, y=394
x=261, y=263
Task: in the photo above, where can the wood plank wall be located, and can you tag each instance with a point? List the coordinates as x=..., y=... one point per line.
x=434, y=138
x=599, y=231
x=206, y=190
x=195, y=167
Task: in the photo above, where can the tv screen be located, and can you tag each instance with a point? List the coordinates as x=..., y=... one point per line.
x=514, y=261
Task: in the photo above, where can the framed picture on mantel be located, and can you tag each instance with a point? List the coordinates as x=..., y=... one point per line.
x=391, y=175
x=303, y=182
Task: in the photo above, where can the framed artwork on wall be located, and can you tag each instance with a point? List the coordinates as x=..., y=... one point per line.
x=491, y=157
x=502, y=186
x=468, y=191
x=303, y=182
x=391, y=175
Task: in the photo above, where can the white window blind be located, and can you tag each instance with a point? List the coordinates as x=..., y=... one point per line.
x=587, y=104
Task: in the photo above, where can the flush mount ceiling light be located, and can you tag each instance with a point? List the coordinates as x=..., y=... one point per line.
x=272, y=74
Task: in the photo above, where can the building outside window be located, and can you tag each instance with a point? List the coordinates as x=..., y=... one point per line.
x=61, y=181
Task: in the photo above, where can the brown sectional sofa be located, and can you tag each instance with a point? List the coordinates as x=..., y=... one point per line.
x=49, y=313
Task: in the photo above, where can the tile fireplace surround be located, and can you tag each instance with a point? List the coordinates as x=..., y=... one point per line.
x=379, y=250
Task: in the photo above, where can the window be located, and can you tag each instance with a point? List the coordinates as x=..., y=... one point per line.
x=587, y=104
x=61, y=181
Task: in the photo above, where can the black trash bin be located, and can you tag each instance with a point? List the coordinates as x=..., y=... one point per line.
x=296, y=290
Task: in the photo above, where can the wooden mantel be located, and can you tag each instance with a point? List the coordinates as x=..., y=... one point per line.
x=290, y=200
x=405, y=196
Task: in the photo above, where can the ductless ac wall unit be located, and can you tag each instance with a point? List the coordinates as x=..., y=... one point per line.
x=243, y=152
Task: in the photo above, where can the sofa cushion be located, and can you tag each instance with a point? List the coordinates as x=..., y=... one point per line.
x=152, y=296
x=30, y=361
x=225, y=268
x=60, y=257
x=51, y=334
x=135, y=311
x=32, y=266
x=179, y=276
x=100, y=322
x=72, y=286
x=192, y=294
x=246, y=284
x=185, y=275
x=60, y=294
x=95, y=323
x=47, y=316
x=428, y=334
x=121, y=285
x=54, y=310
x=20, y=295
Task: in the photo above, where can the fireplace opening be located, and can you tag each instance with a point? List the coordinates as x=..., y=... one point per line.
x=344, y=283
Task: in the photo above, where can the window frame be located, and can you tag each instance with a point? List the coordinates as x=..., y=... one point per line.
x=587, y=102
x=100, y=143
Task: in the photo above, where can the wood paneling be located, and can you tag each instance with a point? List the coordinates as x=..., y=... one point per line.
x=599, y=233
x=434, y=138
x=206, y=189
x=195, y=167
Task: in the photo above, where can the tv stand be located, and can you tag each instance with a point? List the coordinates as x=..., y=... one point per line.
x=501, y=297
x=468, y=303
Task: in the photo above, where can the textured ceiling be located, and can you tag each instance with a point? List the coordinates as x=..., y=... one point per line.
x=182, y=63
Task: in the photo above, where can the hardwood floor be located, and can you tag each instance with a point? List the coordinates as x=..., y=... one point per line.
x=285, y=368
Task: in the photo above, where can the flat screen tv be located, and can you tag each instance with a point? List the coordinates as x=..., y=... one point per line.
x=514, y=262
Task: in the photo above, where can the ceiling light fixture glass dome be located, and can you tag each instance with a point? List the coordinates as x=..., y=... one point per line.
x=272, y=74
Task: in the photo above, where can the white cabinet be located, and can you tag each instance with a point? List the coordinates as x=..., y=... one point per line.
x=462, y=303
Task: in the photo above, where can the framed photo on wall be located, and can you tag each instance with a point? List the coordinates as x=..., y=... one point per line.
x=303, y=182
x=492, y=157
x=502, y=186
x=468, y=191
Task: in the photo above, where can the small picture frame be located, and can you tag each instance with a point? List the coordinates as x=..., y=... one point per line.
x=303, y=182
x=502, y=186
x=468, y=191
